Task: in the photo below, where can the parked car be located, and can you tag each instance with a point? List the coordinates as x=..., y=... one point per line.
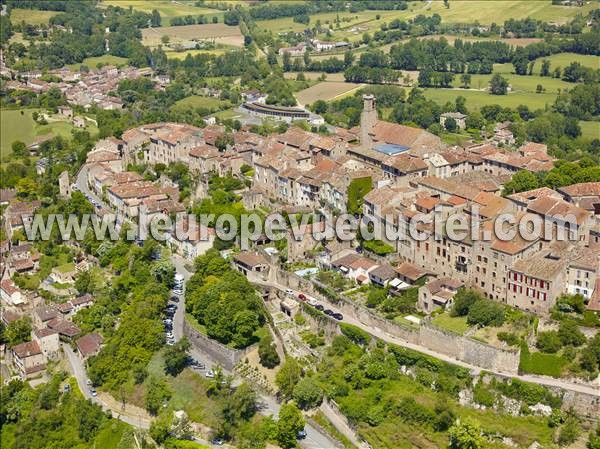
x=301, y=434
x=217, y=441
x=319, y=307
x=328, y=312
x=312, y=302
x=302, y=297
x=88, y=382
x=338, y=316
x=289, y=291
x=175, y=298
x=210, y=374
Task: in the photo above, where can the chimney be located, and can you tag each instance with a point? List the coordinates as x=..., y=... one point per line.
x=368, y=118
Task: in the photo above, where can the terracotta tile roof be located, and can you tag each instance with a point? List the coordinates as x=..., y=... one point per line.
x=101, y=156
x=437, y=286
x=83, y=299
x=363, y=263
x=532, y=147
x=581, y=189
x=204, y=152
x=89, y=344
x=540, y=266
x=384, y=271
x=23, y=264
x=64, y=327
x=27, y=349
x=250, y=258
x=411, y=271
x=553, y=207
x=405, y=163
x=447, y=186
x=46, y=313
x=532, y=195
x=9, y=287
x=402, y=135
x=295, y=137
x=44, y=332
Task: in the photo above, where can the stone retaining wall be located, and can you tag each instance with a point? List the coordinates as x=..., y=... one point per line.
x=224, y=355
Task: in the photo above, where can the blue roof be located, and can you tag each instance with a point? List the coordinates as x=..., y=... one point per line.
x=390, y=148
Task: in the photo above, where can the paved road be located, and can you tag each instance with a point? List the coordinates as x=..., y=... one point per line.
x=314, y=438
x=80, y=374
x=351, y=319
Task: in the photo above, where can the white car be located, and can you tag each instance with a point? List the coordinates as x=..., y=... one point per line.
x=289, y=291
x=311, y=302
x=169, y=335
x=210, y=374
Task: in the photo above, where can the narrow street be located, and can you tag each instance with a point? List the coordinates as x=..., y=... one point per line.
x=476, y=370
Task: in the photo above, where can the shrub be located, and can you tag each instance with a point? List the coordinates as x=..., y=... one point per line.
x=354, y=333
x=510, y=338
x=569, y=333
x=486, y=313
x=463, y=300
x=548, y=342
x=267, y=352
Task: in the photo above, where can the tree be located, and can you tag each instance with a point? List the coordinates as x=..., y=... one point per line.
x=19, y=149
x=157, y=394
x=463, y=300
x=522, y=181
x=520, y=61
x=450, y=124
x=466, y=434
x=498, y=85
x=569, y=333
x=548, y=342
x=155, y=20
x=18, y=331
x=545, y=70
x=289, y=424
x=267, y=352
x=486, y=313
x=288, y=376
x=307, y=394
x=176, y=357
x=165, y=39
x=160, y=429
x=539, y=89
x=320, y=107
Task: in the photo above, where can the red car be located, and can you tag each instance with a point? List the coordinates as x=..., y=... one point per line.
x=302, y=297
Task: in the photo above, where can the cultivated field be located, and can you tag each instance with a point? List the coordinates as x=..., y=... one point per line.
x=198, y=101
x=339, y=77
x=17, y=126
x=477, y=99
x=167, y=9
x=326, y=90
x=95, y=61
x=31, y=16
x=217, y=32
x=564, y=59
x=590, y=129
x=519, y=83
x=172, y=54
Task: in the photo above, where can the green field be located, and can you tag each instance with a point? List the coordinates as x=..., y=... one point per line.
x=183, y=54
x=31, y=16
x=477, y=99
x=353, y=25
x=590, y=129
x=167, y=9
x=93, y=62
x=519, y=83
x=564, y=59
x=22, y=127
x=197, y=101
x=456, y=324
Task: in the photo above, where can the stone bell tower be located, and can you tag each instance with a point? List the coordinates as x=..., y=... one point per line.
x=368, y=118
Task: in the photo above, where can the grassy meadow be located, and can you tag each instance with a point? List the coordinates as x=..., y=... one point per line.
x=96, y=61
x=17, y=126
x=31, y=16
x=167, y=9
x=326, y=90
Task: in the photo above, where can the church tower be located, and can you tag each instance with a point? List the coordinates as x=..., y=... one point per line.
x=368, y=119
